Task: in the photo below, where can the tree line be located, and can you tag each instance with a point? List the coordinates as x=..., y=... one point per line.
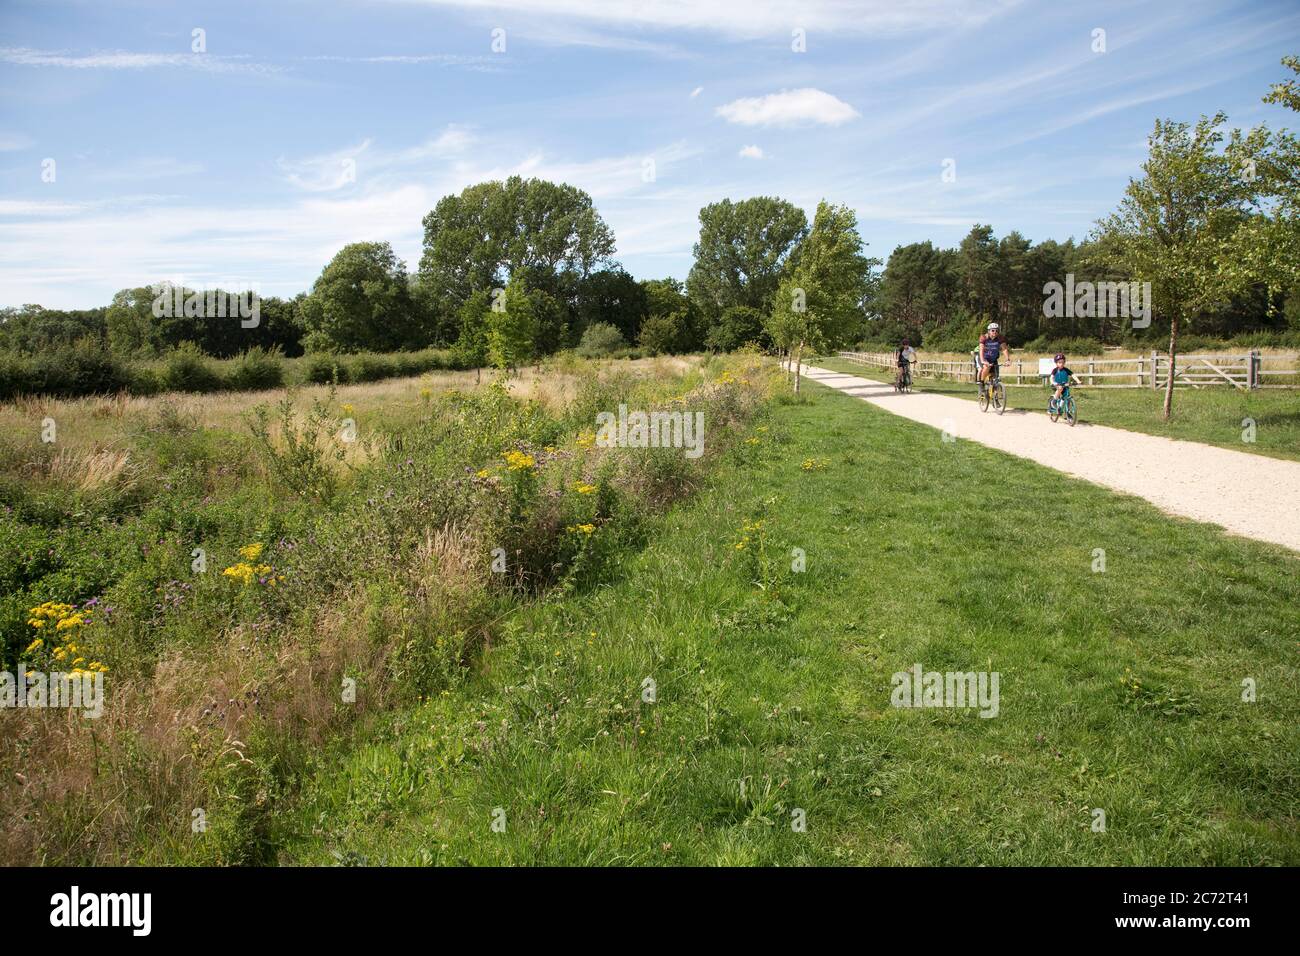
x=518, y=269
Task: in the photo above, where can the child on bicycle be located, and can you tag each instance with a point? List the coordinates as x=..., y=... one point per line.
x=1061, y=377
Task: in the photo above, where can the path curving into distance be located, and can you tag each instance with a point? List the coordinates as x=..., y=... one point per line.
x=1246, y=494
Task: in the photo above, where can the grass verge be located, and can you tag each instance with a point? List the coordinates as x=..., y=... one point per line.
x=1120, y=690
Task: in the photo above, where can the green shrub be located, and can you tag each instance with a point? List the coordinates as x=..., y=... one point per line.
x=14, y=375
x=739, y=325
x=1070, y=346
x=187, y=369
x=257, y=368
x=417, y=363
x=600, y=339
x=1266, y=340
x=663, y=334
x=145, y=380
x=324, y=368
x=960, y=335
x=370, y=367
x=85, y=368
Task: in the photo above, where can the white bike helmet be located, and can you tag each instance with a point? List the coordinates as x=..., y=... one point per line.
x=993, y=326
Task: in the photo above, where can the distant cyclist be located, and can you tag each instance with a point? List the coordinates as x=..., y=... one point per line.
x=992, y=348
x=904, y=356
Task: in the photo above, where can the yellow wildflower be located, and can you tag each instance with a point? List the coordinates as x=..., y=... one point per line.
x=245, y=572
x=518, y=460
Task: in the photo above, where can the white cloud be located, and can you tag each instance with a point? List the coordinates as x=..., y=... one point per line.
x=325, y=172
x=697, y=91
x=330, y=171
x=35, y=207
x=567, y=33
x=279, y=248
x=754, y=18
x=751, y=152
x=788, y=108
x=477, y=63
x=123, y=60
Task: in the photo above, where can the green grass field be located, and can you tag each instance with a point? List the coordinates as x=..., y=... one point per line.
x=1210, y=415
x=1120, y=691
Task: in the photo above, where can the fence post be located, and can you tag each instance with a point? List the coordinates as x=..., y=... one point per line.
x=1253, y=362
x=1154, y=370
x=1090, y=370
x=1139, y=361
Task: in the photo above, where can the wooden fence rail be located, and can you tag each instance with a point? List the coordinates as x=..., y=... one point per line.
x=1246, y=371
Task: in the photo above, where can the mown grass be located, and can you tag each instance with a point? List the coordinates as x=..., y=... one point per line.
x=1120, y=690
x=1215, y=416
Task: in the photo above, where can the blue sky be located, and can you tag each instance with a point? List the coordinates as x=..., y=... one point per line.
x=308, y=125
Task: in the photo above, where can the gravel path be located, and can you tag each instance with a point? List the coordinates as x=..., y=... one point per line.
x=1247, y=494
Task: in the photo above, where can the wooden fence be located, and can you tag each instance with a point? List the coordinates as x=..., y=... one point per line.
x=1246, y=371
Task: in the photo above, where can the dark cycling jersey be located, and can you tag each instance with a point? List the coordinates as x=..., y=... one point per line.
x=991, y=348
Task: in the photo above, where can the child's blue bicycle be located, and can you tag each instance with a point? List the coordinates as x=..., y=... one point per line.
x=1063, y=406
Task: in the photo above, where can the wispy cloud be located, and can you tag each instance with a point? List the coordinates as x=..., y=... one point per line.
x=327, y=172
x=324, y=172
x=788, y=108
x=477, y=63
x=753, y=18
x=124, y=60
x=568, y=33
x=751, y=152
x=281, y=246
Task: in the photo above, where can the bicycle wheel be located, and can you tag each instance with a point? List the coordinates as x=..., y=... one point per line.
x=984, y=399
x=999, y=398
x=1071, y=415
x=1053, y=410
